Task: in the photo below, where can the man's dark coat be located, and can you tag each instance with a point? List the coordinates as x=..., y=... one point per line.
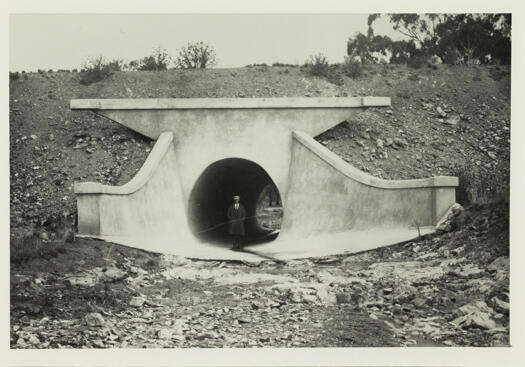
x=236, y=220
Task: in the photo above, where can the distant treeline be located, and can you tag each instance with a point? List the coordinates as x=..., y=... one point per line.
x=449, y=38
x=466, y=39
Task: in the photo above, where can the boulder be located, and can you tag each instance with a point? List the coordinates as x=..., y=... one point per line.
x=452, y=120
x=419, y=302
x=440, y=112
x=445, y=224
x=475, y=320
x=137, y=301
x=478, y=306
x=325, y=296
x=95, y=319
x=164, y=334
x=500, y=305
x=500, y=264
x=112, y=274
x=400, y=142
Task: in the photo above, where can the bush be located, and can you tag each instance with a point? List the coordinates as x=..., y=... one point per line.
x=14, y=76
x=317, y=65
x=198, y=55
x=280, y=64
x=417, y=62
x=352, y=67
x=478, y=187
x=334, y=75
x=97, y=69
x=30, y=246
x=157, y=61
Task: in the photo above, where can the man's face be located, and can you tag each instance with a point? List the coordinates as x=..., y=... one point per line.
x=236, y=200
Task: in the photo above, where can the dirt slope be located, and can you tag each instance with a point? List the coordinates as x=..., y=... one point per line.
x=52, y=147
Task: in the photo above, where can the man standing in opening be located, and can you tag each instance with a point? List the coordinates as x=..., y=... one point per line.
x=236, y=216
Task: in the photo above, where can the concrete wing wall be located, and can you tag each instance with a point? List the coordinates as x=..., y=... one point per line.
x=150, y=204
x=325, y=194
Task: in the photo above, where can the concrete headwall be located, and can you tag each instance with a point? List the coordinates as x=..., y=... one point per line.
x=151, y=203
x=325, y=194
x=209, y=149
x=207, y=130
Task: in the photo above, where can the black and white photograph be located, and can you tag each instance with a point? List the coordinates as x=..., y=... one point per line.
x=182, y=181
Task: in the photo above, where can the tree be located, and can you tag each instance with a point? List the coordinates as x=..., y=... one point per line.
x=372, y=49
x=466, y=38
x=198, y=55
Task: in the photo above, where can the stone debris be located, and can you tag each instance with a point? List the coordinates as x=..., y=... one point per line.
x=440, y=112
x=448, y=292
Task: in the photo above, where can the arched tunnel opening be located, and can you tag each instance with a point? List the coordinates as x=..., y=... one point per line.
x=213, y=193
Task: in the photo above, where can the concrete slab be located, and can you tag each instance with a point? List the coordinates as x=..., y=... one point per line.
x=317, y=246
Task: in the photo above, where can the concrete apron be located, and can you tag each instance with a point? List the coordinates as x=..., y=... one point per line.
x=330, y=207
x=316, y=246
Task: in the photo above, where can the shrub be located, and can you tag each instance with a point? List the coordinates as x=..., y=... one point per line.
x=352, y=67
x=30, y=246
x=417, y=62
x=14, y=76
x=334, y=75
x=281, y=64
x=478, y=187
x=198, y=55
x=97, y=69
x=317, y=65
x=157, y=61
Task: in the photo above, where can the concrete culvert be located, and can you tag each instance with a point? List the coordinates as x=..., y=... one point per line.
x=213, y=192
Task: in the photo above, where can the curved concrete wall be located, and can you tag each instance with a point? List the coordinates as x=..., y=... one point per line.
x=151, y=203
x=326, y=194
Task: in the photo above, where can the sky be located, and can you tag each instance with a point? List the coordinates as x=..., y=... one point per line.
x=66, y=41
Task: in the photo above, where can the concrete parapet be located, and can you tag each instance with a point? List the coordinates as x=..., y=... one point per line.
x=226, y=103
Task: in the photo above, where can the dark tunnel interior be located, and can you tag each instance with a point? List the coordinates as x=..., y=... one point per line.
x=213, y=193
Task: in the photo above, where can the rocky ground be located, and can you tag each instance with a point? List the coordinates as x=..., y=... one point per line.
x=450, y=289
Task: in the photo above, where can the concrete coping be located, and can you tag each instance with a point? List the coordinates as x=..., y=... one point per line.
x=364, y=178
x=139, y=180
x=226, y=103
